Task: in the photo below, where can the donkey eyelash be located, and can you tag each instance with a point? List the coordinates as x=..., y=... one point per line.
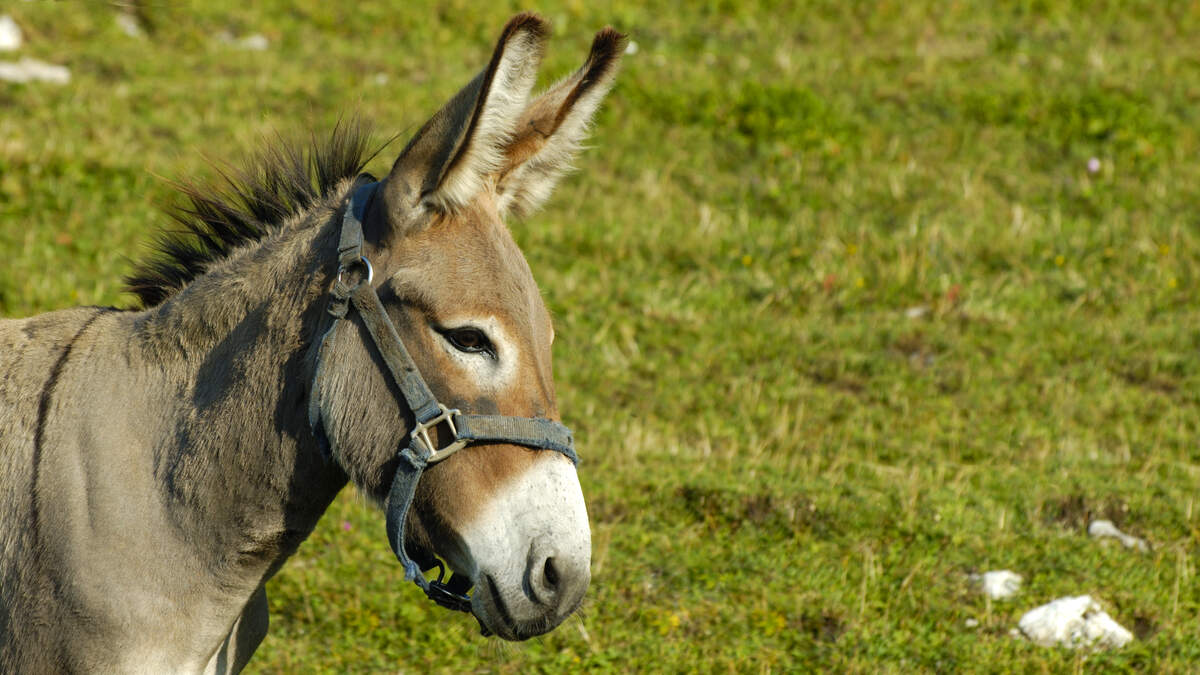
x=469, y=340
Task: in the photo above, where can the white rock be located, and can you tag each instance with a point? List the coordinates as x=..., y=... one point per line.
x=10, y=34
x=129, y=25
x=916, y=312
x=998, y=584
x=1074, y=622
x=33, y=70
x=255, y=42
x=1104, y=528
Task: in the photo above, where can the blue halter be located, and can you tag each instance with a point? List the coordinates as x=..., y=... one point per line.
x=421, y=451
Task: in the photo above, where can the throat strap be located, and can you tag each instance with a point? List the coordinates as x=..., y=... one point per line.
x=456, y=429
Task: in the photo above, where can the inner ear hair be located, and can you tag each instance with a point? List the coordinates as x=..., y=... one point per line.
x=445, y=164
x=504, y=91
x=552, y=128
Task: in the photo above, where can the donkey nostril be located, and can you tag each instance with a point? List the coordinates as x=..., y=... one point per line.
x=551, y=574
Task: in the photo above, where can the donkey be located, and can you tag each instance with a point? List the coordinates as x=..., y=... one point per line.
x=158, y=465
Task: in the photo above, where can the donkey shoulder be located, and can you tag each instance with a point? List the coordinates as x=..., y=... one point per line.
x=30, y=351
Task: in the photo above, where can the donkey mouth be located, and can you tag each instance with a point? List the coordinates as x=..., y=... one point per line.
x=502, y=623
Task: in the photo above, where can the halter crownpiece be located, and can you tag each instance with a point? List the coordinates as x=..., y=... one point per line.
x=428, y=413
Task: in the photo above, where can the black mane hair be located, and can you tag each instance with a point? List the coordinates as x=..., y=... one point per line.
x=246, y=204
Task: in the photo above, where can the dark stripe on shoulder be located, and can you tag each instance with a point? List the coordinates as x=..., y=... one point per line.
x=44, y=410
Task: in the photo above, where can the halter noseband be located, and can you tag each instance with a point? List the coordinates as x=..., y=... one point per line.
x=428, y=413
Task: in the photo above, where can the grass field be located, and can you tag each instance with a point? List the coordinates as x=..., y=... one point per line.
x=843, y=312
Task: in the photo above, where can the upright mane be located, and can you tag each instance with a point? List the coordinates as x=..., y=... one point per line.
x=244, y=205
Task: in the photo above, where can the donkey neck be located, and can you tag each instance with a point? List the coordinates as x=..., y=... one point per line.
x=241, y=472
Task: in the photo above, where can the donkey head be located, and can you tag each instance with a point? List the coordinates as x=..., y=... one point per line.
x=466, y=306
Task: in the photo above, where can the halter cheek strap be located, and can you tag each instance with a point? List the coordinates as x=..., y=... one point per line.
x=421, y=451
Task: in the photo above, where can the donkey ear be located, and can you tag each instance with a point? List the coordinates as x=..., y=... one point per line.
x=552, y=128
x=445, y=163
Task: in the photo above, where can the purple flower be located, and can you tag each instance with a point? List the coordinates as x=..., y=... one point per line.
x=1093, y=165
x=346, y=525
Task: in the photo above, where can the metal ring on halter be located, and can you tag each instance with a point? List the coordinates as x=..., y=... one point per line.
x=370, y=271
x=420, y=433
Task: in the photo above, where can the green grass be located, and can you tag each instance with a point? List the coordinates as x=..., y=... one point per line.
x=784, y=470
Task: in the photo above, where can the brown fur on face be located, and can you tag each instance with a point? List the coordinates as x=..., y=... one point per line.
x=438, y=229
x=433, y=289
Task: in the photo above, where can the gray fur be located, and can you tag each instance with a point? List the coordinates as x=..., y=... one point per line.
x=157, y=467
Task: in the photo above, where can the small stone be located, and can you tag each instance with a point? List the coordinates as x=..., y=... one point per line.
x=1101, y=529
x=10, y=34
x=255, y=43
x=1073, y=622
x=128, y=23
x=998, y=584
x=33, y=70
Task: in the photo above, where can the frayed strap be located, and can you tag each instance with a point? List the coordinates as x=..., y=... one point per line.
x=531, y=432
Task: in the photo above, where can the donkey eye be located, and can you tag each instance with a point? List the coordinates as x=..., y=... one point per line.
x=470, y=340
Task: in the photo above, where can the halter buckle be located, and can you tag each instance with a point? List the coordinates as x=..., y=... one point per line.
x=420, y=433
x=447, y=592
x=362, y=260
